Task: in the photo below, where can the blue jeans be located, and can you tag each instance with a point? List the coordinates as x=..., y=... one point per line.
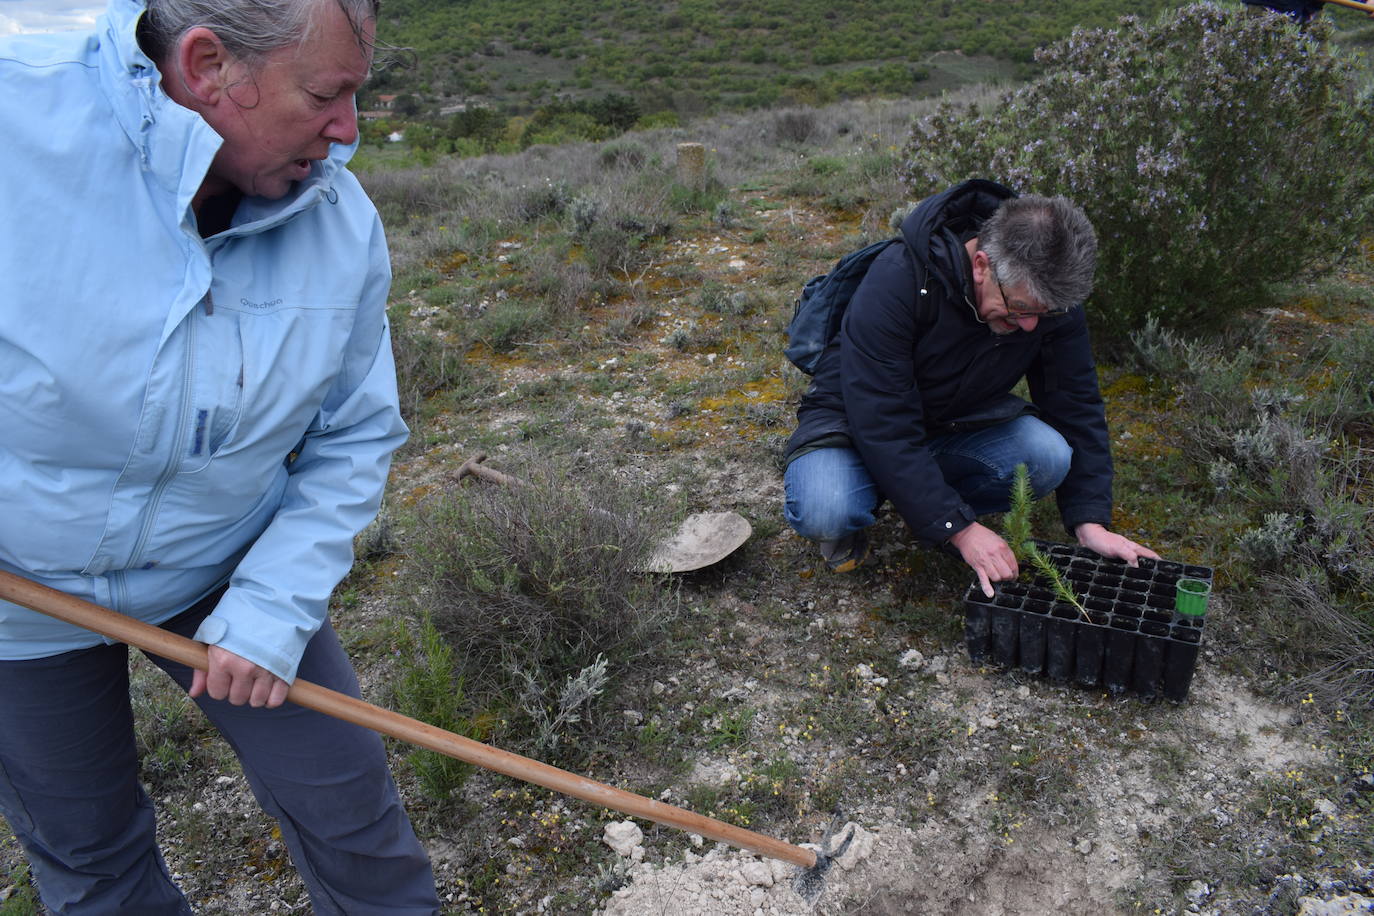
x=69, y=787
x=830, y=494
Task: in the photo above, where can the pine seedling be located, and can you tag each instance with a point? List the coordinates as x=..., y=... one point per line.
x=1058, y=583
x=1018, y=527
x=429, y=690
x=1017, y=520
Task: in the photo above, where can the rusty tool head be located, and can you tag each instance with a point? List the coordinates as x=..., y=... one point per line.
x=809, y=882
x=474, y=467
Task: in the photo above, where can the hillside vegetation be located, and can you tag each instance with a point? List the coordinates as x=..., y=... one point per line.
x=701, y=55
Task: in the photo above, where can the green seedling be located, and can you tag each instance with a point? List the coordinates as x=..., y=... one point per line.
x=1017, y=519
x=1017, y=523
x=1058, y=583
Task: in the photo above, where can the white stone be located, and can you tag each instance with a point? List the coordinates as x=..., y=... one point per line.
x=911, y=660
x=859, y=848
x=1349, y=905
x=756, y=874
x=623, y=837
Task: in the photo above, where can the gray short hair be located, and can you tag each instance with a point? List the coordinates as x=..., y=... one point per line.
x=250, y=29
x=1045, y=244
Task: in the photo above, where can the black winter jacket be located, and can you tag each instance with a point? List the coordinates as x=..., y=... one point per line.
x=912, y=360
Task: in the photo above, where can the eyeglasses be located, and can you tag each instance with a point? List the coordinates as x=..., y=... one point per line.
x=1016, y=313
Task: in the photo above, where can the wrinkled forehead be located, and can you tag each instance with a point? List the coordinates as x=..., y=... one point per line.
x=331, y=47
x=332, y=20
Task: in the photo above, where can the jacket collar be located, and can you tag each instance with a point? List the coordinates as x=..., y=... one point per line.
x=937, y=229
x=175, y=145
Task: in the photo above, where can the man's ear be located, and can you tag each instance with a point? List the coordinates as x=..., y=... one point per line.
x=981, y=265
x=205, y=67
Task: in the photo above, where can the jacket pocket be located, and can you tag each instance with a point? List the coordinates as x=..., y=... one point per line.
x=217, y=380
x=999, y=410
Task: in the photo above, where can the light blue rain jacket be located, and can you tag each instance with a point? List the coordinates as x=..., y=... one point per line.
x=154, y=386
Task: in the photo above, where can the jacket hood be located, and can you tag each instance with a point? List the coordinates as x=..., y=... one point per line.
x=935, y=230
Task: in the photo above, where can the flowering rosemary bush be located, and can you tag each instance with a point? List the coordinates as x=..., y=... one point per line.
x=1216, y=152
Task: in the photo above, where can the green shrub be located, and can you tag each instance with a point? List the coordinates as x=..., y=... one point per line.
x=1348, y=398
x=406, y=194
x=1275, y=456
x=539, y=201
x=717, y=297
x=510, y=322
x=22, y=899
x=611, y=250
x=426, y=364
x=584, y=211
x=429, y=690
x=1216, y=153
x=796, y=126
x=532, y=583
x=685, y=199
x=625, y=154
x=553, y=278
x=169, y=732
x=563, y=127
x=658, y=119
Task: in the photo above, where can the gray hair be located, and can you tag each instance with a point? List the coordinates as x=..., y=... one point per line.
x=1044, y=244
x=250, y=29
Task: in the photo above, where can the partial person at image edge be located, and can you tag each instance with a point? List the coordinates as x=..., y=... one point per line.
x=199, y=408
x=912, y=400
x=1300, y=11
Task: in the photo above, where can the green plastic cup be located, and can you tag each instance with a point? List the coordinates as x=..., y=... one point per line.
x=1190, y=599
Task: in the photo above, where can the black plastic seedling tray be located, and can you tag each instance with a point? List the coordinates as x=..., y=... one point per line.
x=1131, y=639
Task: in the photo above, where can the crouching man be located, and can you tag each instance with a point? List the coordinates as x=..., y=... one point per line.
x=912, y=400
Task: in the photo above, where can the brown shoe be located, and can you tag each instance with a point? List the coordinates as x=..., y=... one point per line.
x=847, y=554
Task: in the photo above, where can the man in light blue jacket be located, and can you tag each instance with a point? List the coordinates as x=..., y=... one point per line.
x=197, y=412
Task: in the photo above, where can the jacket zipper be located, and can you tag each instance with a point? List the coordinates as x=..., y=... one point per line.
x=174, y=460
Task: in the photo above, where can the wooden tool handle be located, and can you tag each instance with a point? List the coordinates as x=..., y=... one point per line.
x=341, y=706
x=1363, y=7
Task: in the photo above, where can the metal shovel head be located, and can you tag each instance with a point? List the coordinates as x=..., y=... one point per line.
x=702, y=539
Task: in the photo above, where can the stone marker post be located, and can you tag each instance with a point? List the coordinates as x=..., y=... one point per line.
x=691, y=165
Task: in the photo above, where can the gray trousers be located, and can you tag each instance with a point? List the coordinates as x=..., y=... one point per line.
x=69, y=787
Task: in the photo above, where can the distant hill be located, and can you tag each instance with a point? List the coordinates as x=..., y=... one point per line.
x=693, y=56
